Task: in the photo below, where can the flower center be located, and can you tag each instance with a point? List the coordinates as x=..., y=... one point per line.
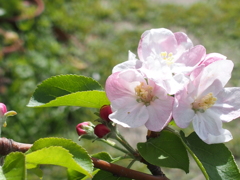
x=144, y=93
x=168, y=57
x=203, y=104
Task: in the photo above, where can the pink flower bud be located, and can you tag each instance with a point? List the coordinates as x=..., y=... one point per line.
x=3, y=109
x=105, y=111
x=101, y=130
x=81, y=128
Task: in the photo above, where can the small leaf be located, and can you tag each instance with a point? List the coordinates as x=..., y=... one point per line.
x=55, y=155
x=166, y=150
x=105, y=156
x=13, y=167
x=69, y=90
x=79, y=154
x=105, y=175
x=216, y=159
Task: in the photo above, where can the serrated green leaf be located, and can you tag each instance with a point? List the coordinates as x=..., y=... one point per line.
x=13, y=167
x=79, y=154
x=55, y=155
x=216, y=159
x=166, y=150
x=69, y=90
x=91, y=99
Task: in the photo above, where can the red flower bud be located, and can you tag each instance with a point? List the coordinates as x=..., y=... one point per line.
x=80, y=128
x=105, y=111
x=3, y=109
x=101, y=130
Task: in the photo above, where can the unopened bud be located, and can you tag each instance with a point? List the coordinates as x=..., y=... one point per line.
x=101, y=130
x=3, y=109
x=105, y=111
x=84, y=128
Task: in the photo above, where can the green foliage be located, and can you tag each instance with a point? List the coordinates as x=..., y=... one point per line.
x=166, y=150
x=215, y=160
x=69, y=90
x=14, y=167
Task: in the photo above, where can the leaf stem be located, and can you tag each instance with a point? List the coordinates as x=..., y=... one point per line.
x=190, y=152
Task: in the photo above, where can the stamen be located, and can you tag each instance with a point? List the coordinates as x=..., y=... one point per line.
x=205, y=103
x=144, y=93
x=168, y=57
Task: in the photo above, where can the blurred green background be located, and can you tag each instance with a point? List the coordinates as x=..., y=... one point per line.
x=89, y=37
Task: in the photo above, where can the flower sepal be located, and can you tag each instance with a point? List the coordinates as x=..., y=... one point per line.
x=86, y=130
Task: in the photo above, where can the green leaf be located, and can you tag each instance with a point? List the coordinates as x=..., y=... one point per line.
x=216, y=160
x=55, y=155
x=103, y=175
x=77, y=154
x=106, y=157
x=69, y=90
x=166, y=150
x=37, y=171
x=13, y=167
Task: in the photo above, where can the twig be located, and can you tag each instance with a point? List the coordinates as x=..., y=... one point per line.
x=8, y=145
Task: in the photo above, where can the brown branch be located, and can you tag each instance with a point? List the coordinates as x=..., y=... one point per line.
x=8, y=145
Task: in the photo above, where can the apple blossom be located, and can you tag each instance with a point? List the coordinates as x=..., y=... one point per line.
x=206, y=103
x=169, y=56
x=137, y=100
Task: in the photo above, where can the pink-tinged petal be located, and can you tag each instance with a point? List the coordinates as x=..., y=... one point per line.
x=132, y=63
x=212, y=57
x=183, y=40
x=176, y=83
x=213, y=77
x=160, y=114
x=190, y=59
x=209, y=128
x=130, y=116
x=228, y=104
x=122, y=83
x=182, y=109
x=157, y=41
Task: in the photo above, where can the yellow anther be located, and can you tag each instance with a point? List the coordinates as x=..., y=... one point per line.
x=144, y=93
x=168, y=57
x=204, y=103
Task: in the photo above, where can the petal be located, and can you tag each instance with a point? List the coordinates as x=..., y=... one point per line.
x=160, y=114
x=131, y=116
x=189, y=60
x=216, y=74
x=156, y=40
x=122, y=83
x=182, y=109
x=212, y=57
x=228, y=104
x=133, y=64
x=183, y=40
x=209, y=128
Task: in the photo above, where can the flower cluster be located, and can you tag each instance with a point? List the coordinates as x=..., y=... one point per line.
x=174, y=80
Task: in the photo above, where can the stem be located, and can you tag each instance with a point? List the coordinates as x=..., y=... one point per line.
x=125, y=144
x=190, y=152
x=124, y=172
x=113, y=144
x=196, y=159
